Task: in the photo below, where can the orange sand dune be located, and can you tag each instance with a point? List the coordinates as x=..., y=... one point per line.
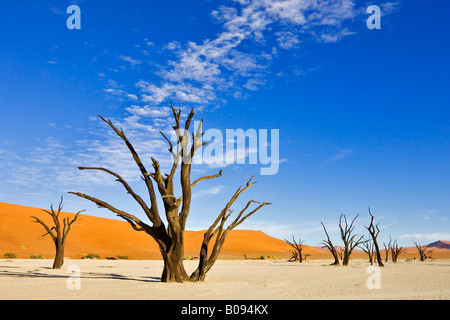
x=438, y=250
x=110, y=238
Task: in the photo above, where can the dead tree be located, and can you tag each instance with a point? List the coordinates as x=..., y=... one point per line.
x=170, y=239
x=340, y=252
x=369, y=248
x=422, y=251
x=328, y=244
x=57, y=232
x=349, y=240
x=387, y=248
x=374, y=231
x=395, y=251
x=297, y=248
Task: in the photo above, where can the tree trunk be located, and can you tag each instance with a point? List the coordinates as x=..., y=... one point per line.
x=346, y=258
x=59, y=256
x=174, y=270
x=370, y=259
x=335, y=256
x=380, y=263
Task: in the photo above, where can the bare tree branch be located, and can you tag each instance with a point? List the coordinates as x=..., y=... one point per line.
x=329, y=245
x=127, y=187
x=206, y=178
x=154, y=206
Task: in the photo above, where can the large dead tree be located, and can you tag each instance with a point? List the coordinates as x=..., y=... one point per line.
x=170, y=238
x=348, y=238
x=374, y=232
x=329, y=245
x=58, y=232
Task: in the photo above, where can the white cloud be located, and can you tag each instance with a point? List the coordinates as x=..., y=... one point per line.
x=212, y=191
x=287, y=40
x=130, y=60
x=341, y=155
x=390, y=7
x=199, y=72
x=132, y=97
x=435, y=236
x=147, y=111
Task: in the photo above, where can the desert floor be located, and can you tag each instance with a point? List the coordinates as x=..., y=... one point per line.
x=227, y=280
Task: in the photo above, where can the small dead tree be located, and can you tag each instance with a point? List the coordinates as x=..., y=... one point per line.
x=329, y=245
x=395, y=251
x=369, y=248
x=57, y=232
x=297, y=248
x=349, y=240
x=374, y=231
x=387, y=248
x=170, y=238
x=422, y=251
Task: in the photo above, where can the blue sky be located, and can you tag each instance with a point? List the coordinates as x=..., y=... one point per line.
x=363, y=114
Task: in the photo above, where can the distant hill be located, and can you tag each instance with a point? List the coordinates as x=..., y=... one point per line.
x=440, y=245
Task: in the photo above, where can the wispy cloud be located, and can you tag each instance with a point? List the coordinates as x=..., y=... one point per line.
x=238, y=58
x=434, y=236
x=130, y=60
x=212, y=191
x=340, y=155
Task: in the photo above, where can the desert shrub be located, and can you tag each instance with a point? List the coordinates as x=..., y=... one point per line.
x=10, y=255
x=122, y=257
x=91, y=256
x=36, y=256
x=191, y=258
x=265, y=257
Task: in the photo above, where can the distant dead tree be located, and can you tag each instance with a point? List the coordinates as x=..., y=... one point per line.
x=297, y=248
x=170, y=239
x=369, y=248
x=422, y=251
x=349, y=240
x=57, y=232
x=328, y=244
x=387, y=248
x=340, y=252
x=395, y=251
x=374, y=231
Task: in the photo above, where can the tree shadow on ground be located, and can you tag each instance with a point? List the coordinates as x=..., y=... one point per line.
x=83, y=275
